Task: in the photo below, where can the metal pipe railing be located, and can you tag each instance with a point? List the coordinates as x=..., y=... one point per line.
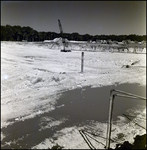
x=109, y=121
x=111, y=99
x=134, y=122
x=126, y=93
x=86, y=140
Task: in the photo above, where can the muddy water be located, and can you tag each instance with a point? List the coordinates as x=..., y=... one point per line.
x=77, y=106
x=93, y=103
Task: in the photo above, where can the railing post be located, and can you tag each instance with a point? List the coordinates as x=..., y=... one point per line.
x=109, y=120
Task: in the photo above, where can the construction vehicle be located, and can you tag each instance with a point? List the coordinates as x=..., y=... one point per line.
x=63, y=39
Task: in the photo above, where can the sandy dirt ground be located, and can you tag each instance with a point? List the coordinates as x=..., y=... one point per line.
x=33, y=77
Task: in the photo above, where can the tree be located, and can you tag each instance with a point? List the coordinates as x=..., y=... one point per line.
x=18, y=33
x=26, y=31
x=75, y=36
x=86, y=37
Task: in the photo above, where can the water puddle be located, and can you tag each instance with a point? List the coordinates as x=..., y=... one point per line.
x=93, y=103
x=74, y=107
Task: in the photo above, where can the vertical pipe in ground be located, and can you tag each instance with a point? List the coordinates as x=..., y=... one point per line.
x=109, y=120
x=82, y=61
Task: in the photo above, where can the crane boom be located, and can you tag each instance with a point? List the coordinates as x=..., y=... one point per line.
x=61, y=32
x=60, y=26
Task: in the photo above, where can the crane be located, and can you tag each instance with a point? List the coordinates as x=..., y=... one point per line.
x=60, y=27
x=63, y=40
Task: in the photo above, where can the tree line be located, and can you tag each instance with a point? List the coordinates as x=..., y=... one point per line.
x=18, y=33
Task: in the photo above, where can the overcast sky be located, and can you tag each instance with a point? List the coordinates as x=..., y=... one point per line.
x=84, y=17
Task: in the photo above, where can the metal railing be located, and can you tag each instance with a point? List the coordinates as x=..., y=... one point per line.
x=111, y=101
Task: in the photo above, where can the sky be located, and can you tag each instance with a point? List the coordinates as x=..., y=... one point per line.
x=83, y=17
